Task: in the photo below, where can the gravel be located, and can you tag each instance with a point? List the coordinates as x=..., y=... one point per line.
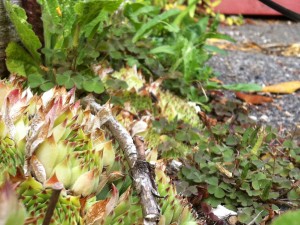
x=251, y=67
x=264, y=32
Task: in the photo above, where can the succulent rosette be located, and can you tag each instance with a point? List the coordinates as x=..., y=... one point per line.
x=50, y=137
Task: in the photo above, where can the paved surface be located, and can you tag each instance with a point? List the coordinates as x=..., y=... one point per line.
x=265, y=31
x=264, y=68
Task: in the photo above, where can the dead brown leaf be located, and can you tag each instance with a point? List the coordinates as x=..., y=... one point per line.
x=208, y=121
x=283, y=88
x=253, y=99
x=214, y=79
x=292, y=50
x=98, y=211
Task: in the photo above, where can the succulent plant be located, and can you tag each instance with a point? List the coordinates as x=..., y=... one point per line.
x=50, y=137
x=127, y=211
x=12, y=210
x=172, y=106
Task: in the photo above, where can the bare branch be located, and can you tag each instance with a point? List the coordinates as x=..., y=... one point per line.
x=140, y=169
x=56, y=189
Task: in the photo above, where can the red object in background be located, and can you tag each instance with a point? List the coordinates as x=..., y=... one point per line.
x=254, y=7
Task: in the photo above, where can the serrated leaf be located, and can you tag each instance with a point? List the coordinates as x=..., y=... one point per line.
x=19, y=61
x=27, y=36
x=51, y=19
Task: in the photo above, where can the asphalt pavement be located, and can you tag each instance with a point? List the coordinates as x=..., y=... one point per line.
x=267, y=65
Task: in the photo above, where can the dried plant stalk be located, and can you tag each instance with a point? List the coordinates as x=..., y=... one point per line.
x=140, y=170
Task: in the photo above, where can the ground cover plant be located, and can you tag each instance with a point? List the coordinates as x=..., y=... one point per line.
x=149, y=63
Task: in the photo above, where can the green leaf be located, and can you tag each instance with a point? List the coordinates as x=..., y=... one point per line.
x=92, y=27
x=35, y=80
x=153, y=22
x=70, y=84
x=163, y=49
x=134, y=10
x=288, y=218
x=78, y=80
x=62, y=79
x=219, y=36
x=242, y=87
x=27, y=36
x=293, y=195
x=19, y=61
x=215, y=49
x=266, y=191
x=184, y=13
x=93, y=85
x=219, y=193
x=213, y=181
x=50, y=16
x=89, y=10
x=46, y=86
x=232, y=140
x=245, y=171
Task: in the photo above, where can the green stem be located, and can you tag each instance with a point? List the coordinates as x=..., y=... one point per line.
x=47, y=36
x=75, y=45
x=76, y=36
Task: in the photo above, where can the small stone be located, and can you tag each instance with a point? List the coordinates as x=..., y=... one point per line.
x=264, y=118
x=175, y=165
x=221, y=212
x=232, y=220
x=254, y=118
x=288, y=113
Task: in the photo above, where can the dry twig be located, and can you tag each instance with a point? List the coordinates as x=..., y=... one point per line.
x=140, y=169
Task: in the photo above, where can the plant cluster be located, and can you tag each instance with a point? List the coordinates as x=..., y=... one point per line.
x=80, y=34
x=244, y=167
x=247, y=168
x=71, y=44
x=250, y=169
x=50, y=139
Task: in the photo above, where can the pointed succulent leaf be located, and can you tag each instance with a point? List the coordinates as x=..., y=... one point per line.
x=85, y=184
x=108, y=154
x=11, y=210
x=47, y=153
